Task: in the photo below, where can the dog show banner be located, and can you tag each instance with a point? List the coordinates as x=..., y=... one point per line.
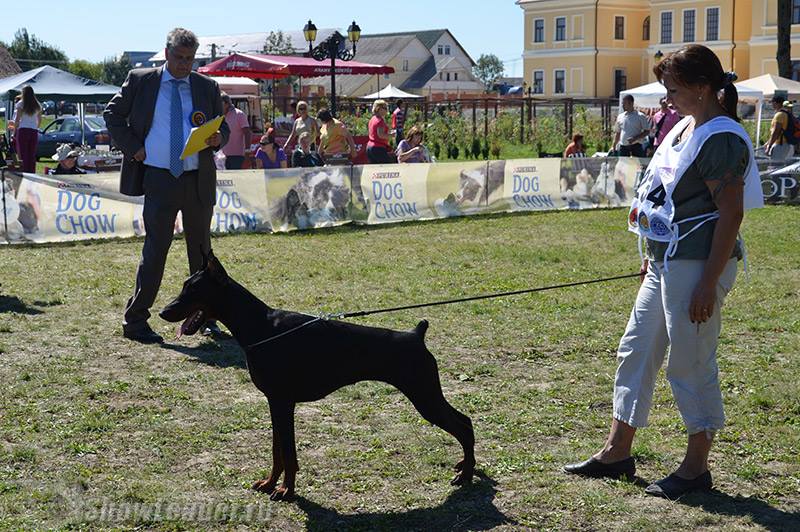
x=307, y=198
x=65, y=208
x=241, y=203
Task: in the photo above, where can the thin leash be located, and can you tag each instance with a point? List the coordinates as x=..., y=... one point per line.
x=343, y=315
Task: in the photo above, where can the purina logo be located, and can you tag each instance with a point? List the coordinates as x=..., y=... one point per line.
x=74, y=185
x=386, y=175
x=525, y=170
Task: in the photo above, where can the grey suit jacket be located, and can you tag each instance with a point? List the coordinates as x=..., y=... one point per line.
x=129, y=116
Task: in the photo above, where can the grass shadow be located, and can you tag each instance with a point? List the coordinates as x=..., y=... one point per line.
x=759, y=511
x=466, y=508
x=15, y=304
x=219, y=353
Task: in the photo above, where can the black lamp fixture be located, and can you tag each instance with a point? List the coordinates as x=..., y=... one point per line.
x=331, y=48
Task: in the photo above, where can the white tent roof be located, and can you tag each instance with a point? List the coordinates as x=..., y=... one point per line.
x=649, y=95
x=769, y=83
x=390, y=91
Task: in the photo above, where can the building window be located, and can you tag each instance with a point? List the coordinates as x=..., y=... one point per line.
x=688, y=25
x=455, y=76
x=666, y=27
x=712, y=24
x=620, y=81
x=538, y=30
x=441, y=75
x=560, y=82
x=446, y=49
x=561, y=29
x=646, y=29
x=441, y=49
x=538, y=81
x=619, y=28
x=795, y=11
x=448, y=76
x=405, y=65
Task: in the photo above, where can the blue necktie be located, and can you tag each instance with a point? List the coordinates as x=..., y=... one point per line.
x=176, y=130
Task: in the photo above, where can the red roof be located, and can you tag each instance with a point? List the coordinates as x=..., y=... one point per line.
x=264, y=66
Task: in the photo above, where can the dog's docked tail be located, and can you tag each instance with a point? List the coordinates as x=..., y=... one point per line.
x=420, y=329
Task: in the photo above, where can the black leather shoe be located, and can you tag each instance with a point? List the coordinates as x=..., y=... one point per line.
x=145, y=335
x=212, y=329
x=674, y=487
x=594, y=468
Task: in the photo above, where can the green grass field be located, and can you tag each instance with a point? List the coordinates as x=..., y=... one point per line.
x=97, y=432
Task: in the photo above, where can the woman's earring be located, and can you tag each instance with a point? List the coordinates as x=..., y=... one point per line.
x=700, y=98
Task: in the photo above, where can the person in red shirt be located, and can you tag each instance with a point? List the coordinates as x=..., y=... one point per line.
x=378, y=144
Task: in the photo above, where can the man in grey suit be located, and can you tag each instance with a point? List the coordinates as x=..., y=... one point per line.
x=150, y=119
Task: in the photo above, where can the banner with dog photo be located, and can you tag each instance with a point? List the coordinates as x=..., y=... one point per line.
x=392, y=193
x=46, y=209
x=529, y=185
x=460, y=188
x=305, y=198
x=241, y=202
x=587, y=183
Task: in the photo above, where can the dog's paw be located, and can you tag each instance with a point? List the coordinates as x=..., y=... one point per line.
x=464, y=473
x=282, y=494
x=264, y=486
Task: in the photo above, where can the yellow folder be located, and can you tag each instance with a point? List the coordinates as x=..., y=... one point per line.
x=197, y=138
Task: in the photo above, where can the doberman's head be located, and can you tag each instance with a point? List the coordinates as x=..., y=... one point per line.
x=198, y=301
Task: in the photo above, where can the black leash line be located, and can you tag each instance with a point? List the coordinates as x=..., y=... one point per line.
x=342, y=315
x=486, y=296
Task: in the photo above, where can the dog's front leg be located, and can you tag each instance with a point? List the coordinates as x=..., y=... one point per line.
x=268, y=485
x=282, y=414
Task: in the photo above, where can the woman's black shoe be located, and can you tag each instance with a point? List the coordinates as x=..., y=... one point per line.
x=594, y=468
x=674, y=487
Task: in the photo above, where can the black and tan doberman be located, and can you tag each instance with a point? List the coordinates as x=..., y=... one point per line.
x=294, y=358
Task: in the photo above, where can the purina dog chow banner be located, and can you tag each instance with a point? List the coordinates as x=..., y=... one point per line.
x=63, y=208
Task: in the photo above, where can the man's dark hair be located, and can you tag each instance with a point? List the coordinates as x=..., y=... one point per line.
x=627, y=97
x=182, y=37
x=778, y=99
x=324, y=115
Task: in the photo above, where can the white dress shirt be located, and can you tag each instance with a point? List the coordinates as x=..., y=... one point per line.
x=157, y=143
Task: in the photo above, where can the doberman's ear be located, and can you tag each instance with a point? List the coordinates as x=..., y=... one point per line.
x=215, y=268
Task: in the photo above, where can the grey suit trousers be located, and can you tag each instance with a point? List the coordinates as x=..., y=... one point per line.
x=164, y=196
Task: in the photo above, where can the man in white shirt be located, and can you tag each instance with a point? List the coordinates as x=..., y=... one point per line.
x=631, y=129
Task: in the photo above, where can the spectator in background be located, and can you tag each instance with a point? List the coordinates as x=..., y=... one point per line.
x=335, y=142
x=777, y=147
x=67, y=158
x=239, y=141
x=28, y=116
x=269, y=155
x=302, y=124
x=631, y=130
x=378, y=145
x=302, y=156
x=663, y=122
x=398, y=121
x=411, y=150
x=576, y=147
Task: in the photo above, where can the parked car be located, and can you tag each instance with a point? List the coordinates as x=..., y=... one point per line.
x=68, y=130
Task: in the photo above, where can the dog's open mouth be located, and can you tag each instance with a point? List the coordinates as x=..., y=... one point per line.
x=192, y=324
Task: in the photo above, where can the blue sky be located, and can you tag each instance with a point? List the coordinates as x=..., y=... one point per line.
x=94, y=30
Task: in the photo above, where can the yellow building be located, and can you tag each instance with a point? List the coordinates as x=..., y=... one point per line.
x=597, y=48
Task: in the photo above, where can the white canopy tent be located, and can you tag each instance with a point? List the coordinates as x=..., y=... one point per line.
x=650, y=96
x=769, y=83
x=390, y=92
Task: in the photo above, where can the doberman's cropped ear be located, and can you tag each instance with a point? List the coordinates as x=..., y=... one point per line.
x=214, y=267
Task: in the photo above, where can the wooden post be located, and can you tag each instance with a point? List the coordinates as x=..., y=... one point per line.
x=486, y=118
x=522, y=121
x=474, y=117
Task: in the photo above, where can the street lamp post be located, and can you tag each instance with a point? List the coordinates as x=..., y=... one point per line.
x=331, y=48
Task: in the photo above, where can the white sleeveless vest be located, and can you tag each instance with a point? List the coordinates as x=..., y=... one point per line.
x=652, y=210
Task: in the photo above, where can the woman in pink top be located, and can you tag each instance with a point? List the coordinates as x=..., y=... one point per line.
x=26, y=125
x=378, y=145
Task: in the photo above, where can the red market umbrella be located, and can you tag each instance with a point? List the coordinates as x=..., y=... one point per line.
x=279, y=66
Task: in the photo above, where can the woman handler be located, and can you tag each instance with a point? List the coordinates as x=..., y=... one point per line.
x=688, y=209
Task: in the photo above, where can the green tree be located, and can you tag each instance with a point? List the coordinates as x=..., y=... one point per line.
x=31, y=52
x=488, y=70
x=116, y=70
x=86, y=69
x=784, y=52
x=278, y=43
